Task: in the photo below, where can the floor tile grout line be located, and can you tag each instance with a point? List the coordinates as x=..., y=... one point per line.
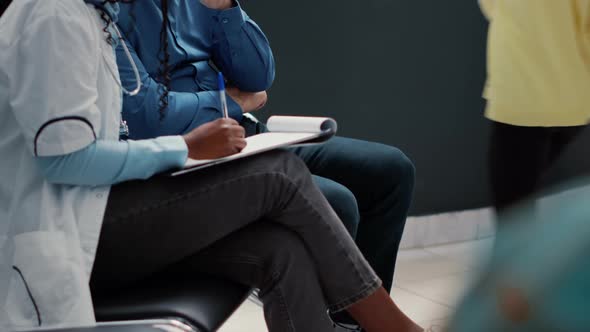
x=464, y=271
x=432, y=321
x=425, y=298
x=450, y=243
x=445, y=256
x=471, y=267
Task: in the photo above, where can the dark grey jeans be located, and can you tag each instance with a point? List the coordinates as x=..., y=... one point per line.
x=260, y=221
x=370, y=186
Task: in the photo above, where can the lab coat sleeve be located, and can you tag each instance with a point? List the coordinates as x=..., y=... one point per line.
x=111, y=162
x=240, y=49
x=186, y=110
x=54, y=93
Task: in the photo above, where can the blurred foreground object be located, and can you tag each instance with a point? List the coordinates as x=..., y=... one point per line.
x=538, y=278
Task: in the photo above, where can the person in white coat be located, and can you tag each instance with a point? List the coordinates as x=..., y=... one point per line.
x=77, y=214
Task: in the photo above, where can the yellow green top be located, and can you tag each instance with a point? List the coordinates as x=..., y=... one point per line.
x=538, y=62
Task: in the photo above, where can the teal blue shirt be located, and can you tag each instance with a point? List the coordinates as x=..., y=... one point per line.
x=202, y=40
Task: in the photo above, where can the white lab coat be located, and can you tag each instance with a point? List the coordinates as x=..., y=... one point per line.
x=58, y=93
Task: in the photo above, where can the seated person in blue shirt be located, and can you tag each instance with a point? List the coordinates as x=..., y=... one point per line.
x=369, y=185
x=80, y=210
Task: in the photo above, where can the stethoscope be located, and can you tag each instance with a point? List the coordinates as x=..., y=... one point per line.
x=123, y=128
x=133, y=66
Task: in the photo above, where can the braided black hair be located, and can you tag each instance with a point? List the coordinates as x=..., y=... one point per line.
x=163, y=77
x=164, y=56
x=108, y=20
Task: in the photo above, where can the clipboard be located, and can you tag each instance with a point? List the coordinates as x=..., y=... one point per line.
x=284, y=131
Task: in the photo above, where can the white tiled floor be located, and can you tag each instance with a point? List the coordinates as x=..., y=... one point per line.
x=429, y=282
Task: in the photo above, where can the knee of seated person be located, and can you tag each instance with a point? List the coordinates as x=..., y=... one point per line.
x=396, y=168
x=345, y=205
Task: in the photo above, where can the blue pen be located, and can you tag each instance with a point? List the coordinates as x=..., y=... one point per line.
x=221, y=84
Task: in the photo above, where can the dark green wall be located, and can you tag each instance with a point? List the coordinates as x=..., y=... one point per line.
x=405, y=73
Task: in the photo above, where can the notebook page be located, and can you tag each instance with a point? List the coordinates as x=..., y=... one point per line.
x=259, y=143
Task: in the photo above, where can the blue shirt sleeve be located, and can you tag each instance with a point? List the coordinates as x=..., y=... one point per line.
x=111, y=162
x=241, y=50
x=186, y=110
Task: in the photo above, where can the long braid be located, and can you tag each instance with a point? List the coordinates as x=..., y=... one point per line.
x=108, y=20
x=164, y=70
x=164, y=55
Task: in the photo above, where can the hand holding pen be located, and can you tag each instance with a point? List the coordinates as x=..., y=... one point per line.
x=219, y=138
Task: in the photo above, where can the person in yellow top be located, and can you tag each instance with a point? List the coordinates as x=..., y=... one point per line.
x=538, y=89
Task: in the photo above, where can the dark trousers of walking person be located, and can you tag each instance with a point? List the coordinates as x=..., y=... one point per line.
x=519, y=157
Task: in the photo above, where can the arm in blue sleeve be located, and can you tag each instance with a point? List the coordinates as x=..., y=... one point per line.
x=111, y=162
x=241, y=50
x=186, y=110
